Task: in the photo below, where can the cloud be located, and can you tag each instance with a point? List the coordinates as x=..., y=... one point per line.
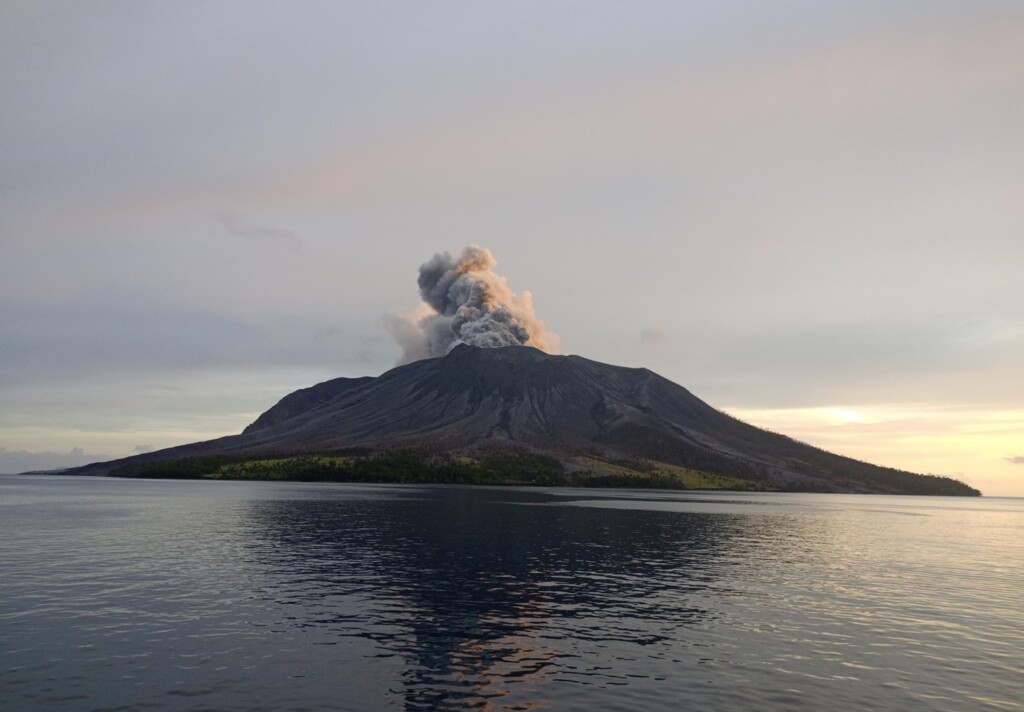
x=236, y=225
x=15, y=461
x=329, y=332
x=817, y=93
x=102, y=333
x=1015, y=459
x=906, y=358
x=408, y=335
x=653, y=337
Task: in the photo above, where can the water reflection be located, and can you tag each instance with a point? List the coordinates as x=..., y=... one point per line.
x=247, y=596
x=478, y=593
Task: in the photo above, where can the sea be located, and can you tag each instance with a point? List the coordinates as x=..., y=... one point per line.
x=214, y=595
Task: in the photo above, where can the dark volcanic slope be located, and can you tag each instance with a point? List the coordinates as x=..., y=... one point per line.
x=560, y=405
x=305, y=399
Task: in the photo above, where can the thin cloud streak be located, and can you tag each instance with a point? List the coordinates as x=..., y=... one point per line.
x=236, y=225
x=653, y=337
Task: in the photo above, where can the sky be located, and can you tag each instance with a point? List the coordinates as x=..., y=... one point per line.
x=811, y=215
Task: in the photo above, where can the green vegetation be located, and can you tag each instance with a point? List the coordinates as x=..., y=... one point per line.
x=516, y=468
x=505, y=467
x=511, y=467
x=854, y=474
x=651, y=474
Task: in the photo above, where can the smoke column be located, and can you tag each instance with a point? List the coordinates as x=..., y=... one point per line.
x=466, y=302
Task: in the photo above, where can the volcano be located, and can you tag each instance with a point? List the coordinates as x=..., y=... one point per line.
x=568, y=408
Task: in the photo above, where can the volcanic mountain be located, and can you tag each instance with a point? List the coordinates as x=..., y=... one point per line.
x=579, y=412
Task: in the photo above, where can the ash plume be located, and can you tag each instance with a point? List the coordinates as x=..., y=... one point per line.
x=466, y=302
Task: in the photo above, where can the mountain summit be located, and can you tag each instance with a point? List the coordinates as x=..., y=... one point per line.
x=579, y=412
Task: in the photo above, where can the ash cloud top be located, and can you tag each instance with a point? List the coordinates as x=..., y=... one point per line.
x=466, y=302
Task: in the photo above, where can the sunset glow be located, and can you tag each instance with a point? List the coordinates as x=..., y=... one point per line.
x=971, y=445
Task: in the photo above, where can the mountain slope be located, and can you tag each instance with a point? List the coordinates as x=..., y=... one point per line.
x=562, y=406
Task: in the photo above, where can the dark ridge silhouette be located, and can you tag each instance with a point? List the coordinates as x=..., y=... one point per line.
x=565, y=407
x=305, y=399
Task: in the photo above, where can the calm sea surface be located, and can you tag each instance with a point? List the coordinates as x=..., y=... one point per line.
x=129, y=594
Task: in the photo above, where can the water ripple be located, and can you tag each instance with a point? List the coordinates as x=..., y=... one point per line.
x=186, y=595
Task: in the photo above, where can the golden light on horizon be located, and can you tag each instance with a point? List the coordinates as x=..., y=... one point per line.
x=842, y=416
x=979, y=446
